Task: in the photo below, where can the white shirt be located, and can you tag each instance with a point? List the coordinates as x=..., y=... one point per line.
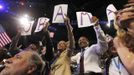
x=117, y=68
x=91, y=54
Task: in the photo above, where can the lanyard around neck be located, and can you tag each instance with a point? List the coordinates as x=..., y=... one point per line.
x=118, y=65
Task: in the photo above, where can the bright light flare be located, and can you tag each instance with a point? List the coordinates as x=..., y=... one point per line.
x=1, y=7
x=24, y=21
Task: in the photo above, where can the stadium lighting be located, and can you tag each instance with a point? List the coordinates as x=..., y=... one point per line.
x=24, y=21
x=1, y=7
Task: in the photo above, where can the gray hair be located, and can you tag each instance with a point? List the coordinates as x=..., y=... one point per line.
x=38, y=61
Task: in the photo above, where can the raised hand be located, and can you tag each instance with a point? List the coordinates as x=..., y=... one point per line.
x=67, y=22
x=95, y=21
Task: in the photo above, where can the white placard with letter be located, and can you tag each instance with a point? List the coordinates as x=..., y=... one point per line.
x=84, y=19
x=110, y=10
x=27, y=29
x=59, y=12
x=41, y=23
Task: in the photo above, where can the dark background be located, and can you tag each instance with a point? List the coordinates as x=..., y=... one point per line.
x=38, y=8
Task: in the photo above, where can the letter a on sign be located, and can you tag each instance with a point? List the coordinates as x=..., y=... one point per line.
x=84, y=19
x=59, y=11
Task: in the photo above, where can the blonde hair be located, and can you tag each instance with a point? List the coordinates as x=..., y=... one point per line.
x=122, y=26
x=125, y=37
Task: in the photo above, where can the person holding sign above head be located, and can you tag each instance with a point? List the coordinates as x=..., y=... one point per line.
x=61, y=64
x=88, y=58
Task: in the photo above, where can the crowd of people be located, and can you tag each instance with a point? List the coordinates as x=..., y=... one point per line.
x=116, y=52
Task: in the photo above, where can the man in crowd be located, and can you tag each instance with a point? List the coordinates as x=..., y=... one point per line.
x=27, y=62
x=88, y=58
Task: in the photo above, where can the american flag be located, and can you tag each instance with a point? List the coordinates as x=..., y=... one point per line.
x=4, y=38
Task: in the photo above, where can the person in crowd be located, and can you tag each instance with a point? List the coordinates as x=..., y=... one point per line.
x=123, y=42
x=114, y=64
x=46, y=52
x=108, y=55
x=27, y=62
x=88, y=58
x=46, y=44
x=61, y=64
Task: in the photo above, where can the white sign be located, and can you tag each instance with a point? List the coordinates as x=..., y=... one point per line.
x=84, y=19
x=110, y=12
x=26, y=30
x=41, y=23
x=59, y=12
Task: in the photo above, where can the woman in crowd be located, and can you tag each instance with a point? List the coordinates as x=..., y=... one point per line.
x=61, y=64
x=124, y=42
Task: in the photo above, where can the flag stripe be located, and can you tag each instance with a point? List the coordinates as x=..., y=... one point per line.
x=2, y=43
x=7, y=37
x=4, y=38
